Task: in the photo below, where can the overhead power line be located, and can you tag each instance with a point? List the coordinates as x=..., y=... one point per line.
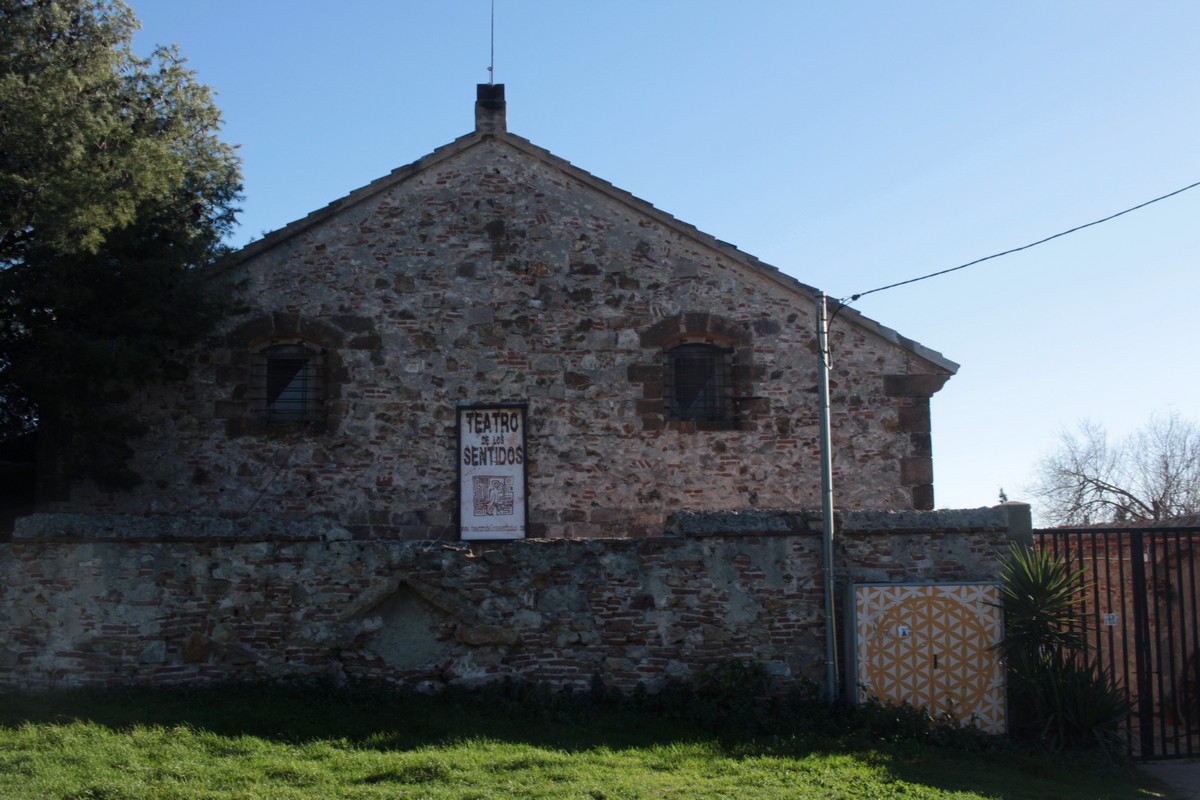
x=854, y=297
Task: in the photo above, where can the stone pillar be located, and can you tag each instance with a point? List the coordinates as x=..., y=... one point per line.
x=1020, y=522
x=916, y=469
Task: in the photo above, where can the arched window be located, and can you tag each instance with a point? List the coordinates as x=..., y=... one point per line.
x=289, y=383
x=701, y=377
x=698, y=382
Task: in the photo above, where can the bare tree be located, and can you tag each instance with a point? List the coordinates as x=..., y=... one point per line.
x=1152, y=475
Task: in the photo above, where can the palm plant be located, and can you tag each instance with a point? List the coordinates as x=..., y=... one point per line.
x=1041, y=597
x=1055, y=694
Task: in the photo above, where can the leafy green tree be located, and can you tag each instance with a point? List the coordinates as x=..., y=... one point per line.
x=114, y=188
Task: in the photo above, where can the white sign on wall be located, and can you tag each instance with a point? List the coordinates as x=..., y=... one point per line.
x=491, y=472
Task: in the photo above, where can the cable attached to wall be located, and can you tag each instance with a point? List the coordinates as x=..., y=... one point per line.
x=854, y=297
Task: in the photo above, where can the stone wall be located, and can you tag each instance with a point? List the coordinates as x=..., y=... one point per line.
x=114, y=600
x=491, y=271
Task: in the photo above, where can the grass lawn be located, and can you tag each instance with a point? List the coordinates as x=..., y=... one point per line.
x=256, y=742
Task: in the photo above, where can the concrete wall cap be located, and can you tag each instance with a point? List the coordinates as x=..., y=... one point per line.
x=782, y=521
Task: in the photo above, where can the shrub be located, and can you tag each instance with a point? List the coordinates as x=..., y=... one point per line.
x=1079, y=705
x=1055, y=694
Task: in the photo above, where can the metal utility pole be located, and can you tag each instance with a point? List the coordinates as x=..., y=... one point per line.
x=826, y=497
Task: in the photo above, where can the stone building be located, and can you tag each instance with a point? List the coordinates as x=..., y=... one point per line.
x=654, y=368
x=491, y=343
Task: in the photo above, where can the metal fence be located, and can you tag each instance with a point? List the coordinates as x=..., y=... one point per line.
x=1141, y=613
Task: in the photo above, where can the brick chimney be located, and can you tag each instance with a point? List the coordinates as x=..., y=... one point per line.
x=489, y=108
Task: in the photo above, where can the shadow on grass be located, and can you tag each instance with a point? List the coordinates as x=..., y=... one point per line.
x=890, y=741
x=379, y=720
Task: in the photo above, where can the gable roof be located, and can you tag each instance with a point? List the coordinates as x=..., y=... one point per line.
x=490, y=125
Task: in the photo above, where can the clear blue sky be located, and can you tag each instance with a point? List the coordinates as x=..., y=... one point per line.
x=850, y=144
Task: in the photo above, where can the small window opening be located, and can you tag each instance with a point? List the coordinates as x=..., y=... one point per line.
x=698, y=382
x=289, y=379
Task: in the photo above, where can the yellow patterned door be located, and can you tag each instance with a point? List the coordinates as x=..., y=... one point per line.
x=932, y=646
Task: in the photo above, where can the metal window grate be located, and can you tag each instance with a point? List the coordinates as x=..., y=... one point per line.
x=287, y=378
x=698, y=382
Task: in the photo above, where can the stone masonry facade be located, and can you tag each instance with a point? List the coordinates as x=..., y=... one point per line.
x=494, y=271
x=115, y=600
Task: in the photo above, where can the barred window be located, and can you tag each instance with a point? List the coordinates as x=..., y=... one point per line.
x=698, y=382
x=289, y=380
